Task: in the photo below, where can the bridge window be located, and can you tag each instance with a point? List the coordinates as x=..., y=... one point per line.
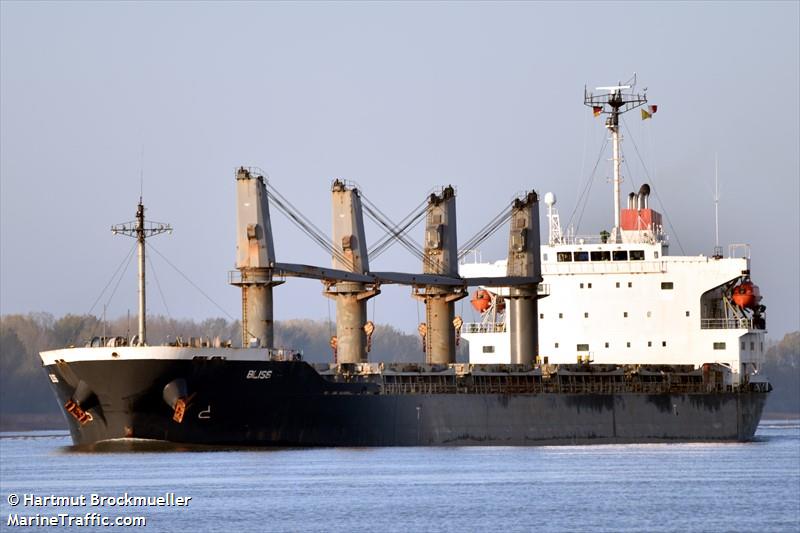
x=618, y=284
x=583, y=347
x=590, y=285
x=541, y=315
x=620, y=255
x=625, y=314
x=601, y=256
x=637, y=255
x=664, y=344
x=564, y=257
x=556, y=347
x=606, y=345
x=581, y=256
x=488, y=349
x=666, y=286
x=585, y=315
x=581, y=285
x=719, y=345
x=560, y=315
x=628, y=344
x=630, y=284
x=687, y=313
x=649, y=344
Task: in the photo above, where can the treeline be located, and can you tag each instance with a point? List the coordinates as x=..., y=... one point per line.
x=782, y=367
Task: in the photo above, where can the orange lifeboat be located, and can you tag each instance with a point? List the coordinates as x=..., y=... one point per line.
x=746, y=295
x=481, y=300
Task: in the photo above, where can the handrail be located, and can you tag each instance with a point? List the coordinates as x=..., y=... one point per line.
x=726, y=323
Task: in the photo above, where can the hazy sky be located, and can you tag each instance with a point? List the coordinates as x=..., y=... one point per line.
x=397, y=97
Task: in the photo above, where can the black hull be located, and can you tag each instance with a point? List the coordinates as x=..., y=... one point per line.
x=291, y=405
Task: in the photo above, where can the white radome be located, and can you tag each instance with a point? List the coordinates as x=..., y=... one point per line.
x=550, y=198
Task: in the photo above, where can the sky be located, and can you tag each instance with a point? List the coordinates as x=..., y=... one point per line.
x=100, y=101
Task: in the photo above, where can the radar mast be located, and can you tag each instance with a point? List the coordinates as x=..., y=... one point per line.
x=613, y=103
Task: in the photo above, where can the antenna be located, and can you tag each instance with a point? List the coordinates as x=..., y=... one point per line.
x=717, y=247
x=613, y=103
x=141, y=174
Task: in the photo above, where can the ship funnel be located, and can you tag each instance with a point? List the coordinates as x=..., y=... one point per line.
x=255, y=255
x=350, y=254
x=524, y=261
x=632, y=200
x=644, y=194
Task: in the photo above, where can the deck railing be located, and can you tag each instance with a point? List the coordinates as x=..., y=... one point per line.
x=726, y=323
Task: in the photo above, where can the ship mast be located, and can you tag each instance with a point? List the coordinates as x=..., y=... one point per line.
x=614, y=103
x=141, y=230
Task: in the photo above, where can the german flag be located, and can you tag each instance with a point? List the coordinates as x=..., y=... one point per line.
x=597, y=110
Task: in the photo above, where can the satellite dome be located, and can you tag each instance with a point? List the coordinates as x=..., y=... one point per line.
x=550, y=198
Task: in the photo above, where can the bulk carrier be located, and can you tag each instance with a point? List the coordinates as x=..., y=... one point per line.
x=635, y=345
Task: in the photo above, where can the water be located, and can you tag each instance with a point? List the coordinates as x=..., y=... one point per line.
x=751, y=486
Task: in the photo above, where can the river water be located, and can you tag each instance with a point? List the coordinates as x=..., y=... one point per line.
x=752, y=486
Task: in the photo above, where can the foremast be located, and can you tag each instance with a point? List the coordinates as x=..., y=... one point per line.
x=141, y=230
x=613, y=103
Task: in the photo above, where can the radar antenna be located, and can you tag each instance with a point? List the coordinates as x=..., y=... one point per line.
x=616, y=100
x=141, y=230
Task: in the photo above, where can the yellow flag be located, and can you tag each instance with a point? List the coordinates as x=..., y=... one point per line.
x=646, y=115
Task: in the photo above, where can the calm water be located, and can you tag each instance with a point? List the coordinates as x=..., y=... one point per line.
x=656, y=487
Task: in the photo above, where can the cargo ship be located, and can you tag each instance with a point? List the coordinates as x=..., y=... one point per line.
x=581, y=341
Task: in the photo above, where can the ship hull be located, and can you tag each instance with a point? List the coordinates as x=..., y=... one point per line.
x=266, y=403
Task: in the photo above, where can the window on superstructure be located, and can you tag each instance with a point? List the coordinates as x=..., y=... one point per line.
x=762, y=347
x=564, y=257
x=581, y=285
x=544, y=257
x=620, y=255
x=606, y=345
x=742, y=345
x=583, y=347
x=628, y=344
x=581, y=256
x=585, y=315
x=556, y=347
x=488, y=349
x=637, y=255
x=560, y=315
x=541, y=315
x=664, y=344
x=618, y=284
x=589, y=285
x=655, y=254
x=719, y=345
x=752, y=346
x=625, y=314
x=649, y=344
x=630, y=284
x=687, y=313
x=601, y=256
x=666, y=286
x=649, y=314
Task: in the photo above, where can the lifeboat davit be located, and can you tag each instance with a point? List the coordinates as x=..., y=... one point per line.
x=746, y=295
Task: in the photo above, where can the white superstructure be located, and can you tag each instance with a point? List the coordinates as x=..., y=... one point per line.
x=620, y=298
